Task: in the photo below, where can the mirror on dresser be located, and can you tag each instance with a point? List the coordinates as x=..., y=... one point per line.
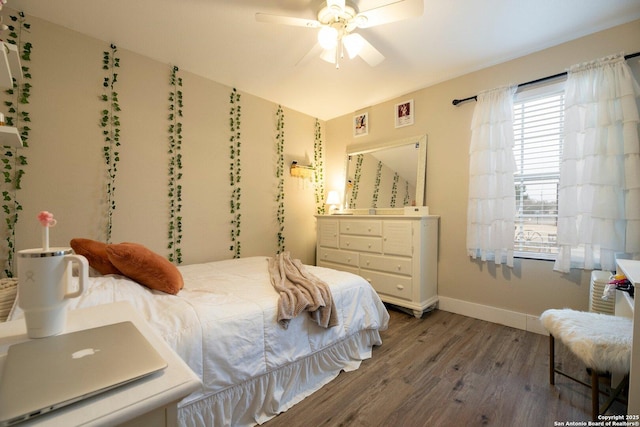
x=386, y=175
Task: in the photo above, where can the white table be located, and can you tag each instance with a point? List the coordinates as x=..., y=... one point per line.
x=150, y=401
x=631, y=269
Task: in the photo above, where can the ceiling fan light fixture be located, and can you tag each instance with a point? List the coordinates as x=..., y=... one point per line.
x=329, y=56
x=337, y=22
x=353, y=43
x=328, y=37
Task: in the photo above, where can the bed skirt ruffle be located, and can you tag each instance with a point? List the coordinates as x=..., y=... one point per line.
x=258, y=400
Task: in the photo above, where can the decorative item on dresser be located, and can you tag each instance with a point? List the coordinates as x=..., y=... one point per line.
x=397, y=254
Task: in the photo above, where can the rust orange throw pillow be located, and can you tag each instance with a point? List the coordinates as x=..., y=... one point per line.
x=145, y=267
x=96, y=254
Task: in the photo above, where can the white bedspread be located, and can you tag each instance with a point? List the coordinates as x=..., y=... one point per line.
x=223, y=325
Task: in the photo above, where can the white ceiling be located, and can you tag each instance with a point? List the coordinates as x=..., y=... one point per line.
x=221, y=40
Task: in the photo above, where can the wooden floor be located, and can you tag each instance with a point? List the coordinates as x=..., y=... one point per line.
x=450, y=370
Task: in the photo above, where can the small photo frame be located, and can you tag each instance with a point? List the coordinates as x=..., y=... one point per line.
x=361, y=124
x=404, y=113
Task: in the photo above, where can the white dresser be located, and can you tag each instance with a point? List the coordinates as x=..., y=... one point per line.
x=397, y=254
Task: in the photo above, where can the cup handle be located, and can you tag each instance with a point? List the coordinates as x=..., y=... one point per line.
x=83, y=273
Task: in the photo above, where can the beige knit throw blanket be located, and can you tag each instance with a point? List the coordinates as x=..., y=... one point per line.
x=299, y=291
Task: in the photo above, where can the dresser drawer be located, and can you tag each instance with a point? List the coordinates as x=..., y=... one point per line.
x=398, y=238
x=363, y=228
x=339, y=257
x=328, y=233
x=389, y=284
x=358, y=243
x=394, y=265
x=341, y=267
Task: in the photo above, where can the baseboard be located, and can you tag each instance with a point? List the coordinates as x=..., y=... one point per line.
x=514, y=319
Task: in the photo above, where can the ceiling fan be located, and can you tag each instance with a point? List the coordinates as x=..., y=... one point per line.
x=338, y=20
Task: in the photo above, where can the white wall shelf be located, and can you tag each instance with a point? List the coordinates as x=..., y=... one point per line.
x=9, y=68
x=10, y=137
x=14, y=61
x=9, y=65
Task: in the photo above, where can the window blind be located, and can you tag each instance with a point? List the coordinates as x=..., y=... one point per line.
x=538, y=129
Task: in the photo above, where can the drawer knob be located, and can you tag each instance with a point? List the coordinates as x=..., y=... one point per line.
x=368, y=262
x=369, y=245
x=399, y=268
x=399, y=287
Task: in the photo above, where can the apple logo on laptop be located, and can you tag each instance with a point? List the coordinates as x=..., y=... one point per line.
x=84, y=352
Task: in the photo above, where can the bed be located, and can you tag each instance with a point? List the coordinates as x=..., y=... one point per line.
x=223, y=325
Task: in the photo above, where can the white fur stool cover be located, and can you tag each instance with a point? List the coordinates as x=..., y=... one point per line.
x=601, y=341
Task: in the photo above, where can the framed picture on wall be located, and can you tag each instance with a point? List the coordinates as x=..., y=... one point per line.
x=361, y=124
x=404, y=113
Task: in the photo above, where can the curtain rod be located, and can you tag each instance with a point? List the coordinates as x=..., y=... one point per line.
x=540, y=80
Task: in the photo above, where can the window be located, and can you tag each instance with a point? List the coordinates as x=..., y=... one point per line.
x=538, y=128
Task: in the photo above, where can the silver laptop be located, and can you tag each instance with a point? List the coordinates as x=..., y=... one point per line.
x=45, y=374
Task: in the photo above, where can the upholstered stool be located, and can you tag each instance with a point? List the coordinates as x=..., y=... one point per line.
x=601, y=341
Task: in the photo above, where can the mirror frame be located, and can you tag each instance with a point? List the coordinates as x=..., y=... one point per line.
x=367, y=147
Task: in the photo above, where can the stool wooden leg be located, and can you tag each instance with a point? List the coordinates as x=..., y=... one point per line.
x=595, y=395
x=552, y=360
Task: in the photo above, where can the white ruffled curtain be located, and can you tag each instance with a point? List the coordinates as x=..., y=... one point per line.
x=492, y=196
x=599, y=191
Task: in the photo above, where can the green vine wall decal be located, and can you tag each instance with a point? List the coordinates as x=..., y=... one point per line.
x=376, y=188
x=110, y=123
x=318, y=163
x=394, y=189
x=175, y=167
x=407, y=196
x=235, y=113
x=280, y=176
x=356, y=181
x=13, y=160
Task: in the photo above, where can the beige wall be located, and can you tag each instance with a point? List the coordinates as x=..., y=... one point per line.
x=531, y=286
x=66, y=174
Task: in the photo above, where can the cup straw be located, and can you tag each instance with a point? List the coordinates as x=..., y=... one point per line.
x=46, y=220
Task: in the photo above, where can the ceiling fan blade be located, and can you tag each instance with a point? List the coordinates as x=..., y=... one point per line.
x=287, y=20
x=368, y=53
x=339, y=4
x=328, y=55
x=391, y=12
x=313, y=53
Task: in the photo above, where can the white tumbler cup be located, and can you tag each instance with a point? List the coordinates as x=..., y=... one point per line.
x=44, y=278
